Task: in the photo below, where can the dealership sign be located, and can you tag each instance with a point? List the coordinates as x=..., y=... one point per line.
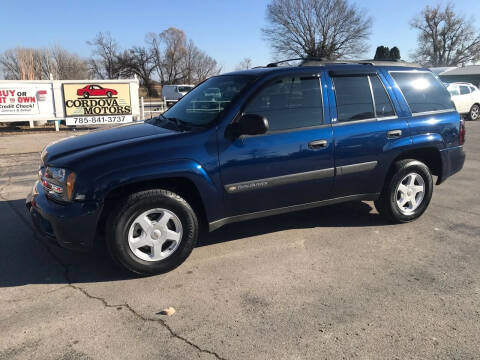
x=18, y=101
x=97, y=103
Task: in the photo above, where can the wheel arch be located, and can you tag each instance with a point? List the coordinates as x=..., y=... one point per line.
x=182, y=186
x=429, y=155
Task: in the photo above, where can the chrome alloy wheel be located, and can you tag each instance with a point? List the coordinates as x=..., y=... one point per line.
x=410, y=193
x=155, y=234
x=475, y=112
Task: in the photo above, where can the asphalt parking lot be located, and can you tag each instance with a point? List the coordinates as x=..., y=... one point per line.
x=334, y=282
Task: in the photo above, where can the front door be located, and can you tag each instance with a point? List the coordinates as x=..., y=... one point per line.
x=289, y=165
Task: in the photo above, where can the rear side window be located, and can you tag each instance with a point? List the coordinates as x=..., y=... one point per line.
x=289, y=103
x=422, y=91
x=464, y=90
x=354, y=98
x=383, y=105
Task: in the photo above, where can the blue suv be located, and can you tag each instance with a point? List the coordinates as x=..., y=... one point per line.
x=267, y=141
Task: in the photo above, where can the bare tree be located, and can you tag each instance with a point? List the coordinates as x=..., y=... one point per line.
x=40, y=64
x=22, y=64
x=445, y=38
x=245, y=64
x=178, y=60
x=197, y=66
x=155, y=43
x=104, y=62
x=327, y=29
x=175, y=50
x=138, y=61
x=66, y=65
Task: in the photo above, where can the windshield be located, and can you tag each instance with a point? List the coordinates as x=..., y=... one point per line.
x=185, y=88
x=203, y=104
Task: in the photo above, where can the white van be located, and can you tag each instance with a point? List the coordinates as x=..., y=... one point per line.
x=172, y=93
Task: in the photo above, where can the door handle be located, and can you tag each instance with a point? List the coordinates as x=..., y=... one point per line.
x=394, y=134
x=317, y=144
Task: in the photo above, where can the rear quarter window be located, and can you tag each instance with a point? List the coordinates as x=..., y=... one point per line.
x=464, y=90
x=422, y=91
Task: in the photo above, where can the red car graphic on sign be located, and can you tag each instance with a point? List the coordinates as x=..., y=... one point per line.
x=95, y=90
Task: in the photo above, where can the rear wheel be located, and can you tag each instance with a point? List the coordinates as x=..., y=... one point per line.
x=152, y=231
x=474, y=113
x=407, y=192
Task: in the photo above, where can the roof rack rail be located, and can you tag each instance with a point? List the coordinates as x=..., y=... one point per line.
x=275, y=64
x=317, y=61
x=309, y=62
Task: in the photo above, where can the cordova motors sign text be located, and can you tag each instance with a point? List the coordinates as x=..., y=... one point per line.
x=108, y=106
x=96, y=99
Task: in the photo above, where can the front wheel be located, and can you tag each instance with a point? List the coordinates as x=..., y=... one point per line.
x=407, y=192
x=474, y=113
x=152, y=232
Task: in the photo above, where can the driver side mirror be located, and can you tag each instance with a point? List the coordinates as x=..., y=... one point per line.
x=249, y=124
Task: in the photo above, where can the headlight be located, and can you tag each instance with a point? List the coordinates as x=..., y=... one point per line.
x=58, y=183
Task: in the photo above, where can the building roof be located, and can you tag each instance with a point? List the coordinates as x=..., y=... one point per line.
x=440, y=70
x=464, y=70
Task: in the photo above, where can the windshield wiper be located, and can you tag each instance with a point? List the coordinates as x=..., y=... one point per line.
x=180, y=123
x=185, y=125
x=173, y=120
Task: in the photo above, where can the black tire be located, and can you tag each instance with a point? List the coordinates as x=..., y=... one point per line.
x=123, y=215
x=86, y=95
x=109, y=94
x=387, y=203
x=474, y=113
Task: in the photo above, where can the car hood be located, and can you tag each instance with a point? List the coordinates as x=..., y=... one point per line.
x=102, y=138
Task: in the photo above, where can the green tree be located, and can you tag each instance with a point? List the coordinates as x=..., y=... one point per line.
x=382, y=53
x=394, y=53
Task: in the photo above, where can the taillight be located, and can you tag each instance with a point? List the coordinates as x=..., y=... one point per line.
x=461, y=132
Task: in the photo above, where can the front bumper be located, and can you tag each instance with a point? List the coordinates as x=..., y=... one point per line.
x=72, y=226
x=452, y=162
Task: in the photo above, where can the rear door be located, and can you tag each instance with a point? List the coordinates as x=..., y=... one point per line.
x=292, y=163
x=365, y=128
x=465, y=99
x=456, y=98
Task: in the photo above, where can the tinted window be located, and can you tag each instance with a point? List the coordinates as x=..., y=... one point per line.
x=472, y=89
x=422, y=91
x=354, y=99
x=289, y=103
x=184, y=88
x=464, y=90
x=383, y=105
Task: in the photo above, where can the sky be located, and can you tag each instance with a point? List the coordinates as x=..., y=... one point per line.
x=228, y=30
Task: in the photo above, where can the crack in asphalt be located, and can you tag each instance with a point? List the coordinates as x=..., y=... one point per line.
x=66, y=269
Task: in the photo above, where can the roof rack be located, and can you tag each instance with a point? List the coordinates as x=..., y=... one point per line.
x=313, y=61
x=275, y=64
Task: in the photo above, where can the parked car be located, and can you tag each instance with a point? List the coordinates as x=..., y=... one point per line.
x=173, y=93
x=466, y=98
x=96, y=90
x=277, y=139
